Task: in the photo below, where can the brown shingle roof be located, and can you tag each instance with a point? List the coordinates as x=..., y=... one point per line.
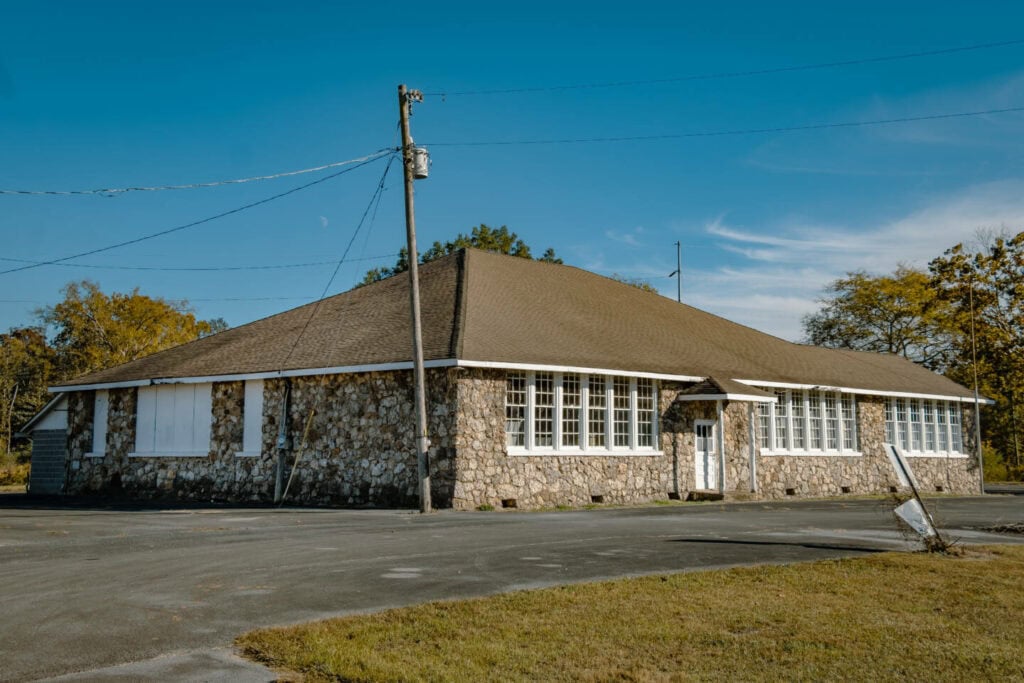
x=479, y=306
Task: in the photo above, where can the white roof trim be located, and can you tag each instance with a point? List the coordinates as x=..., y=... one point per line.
x=868, y=392
x=455, y=362
x=40, y=415
x=727, y=397
x=305, y=372
x=573, y=368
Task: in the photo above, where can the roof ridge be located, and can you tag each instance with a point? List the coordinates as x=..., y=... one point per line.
x=459, y=321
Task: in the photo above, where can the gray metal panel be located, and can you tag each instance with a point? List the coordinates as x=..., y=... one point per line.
x=49, y=451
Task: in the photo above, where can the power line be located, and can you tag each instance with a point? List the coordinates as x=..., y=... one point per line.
x=741, y=131
x=194, y=223
x=735, y=74
x=373, y=199
x=198, y=269
x=120, y=190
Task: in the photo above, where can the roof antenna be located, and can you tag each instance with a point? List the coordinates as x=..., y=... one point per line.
x=678, y=274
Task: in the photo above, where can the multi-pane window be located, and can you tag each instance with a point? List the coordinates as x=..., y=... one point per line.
x=849, y=413
x=796, y=408
x=808, y=422
x=915, y=425
x=781, y=419
x=940, y=427
x=597, y=413
x=764, y=424
x=923, y=426
x=831, y=423
x=620, y=401
x=515, y=409
x=571, y=410
x=955, y=435
x=544, y=409
x=902, y=424
x=576, y=413
x=814, y=418
x=928, y=420
x=645, y=412
x=890, y=423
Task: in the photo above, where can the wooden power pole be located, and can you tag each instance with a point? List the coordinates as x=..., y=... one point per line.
x=405, y=99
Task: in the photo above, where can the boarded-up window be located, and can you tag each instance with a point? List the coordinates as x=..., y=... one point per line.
x=174, y=419
x=252, y=418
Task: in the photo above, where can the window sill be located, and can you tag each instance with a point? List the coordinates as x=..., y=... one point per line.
x=170, y=454
x=550, y=452
x=248, y=454
x=935, y=454
x=812, y=454
x=94, y=455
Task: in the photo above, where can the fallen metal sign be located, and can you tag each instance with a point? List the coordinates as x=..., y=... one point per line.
x=913, y=512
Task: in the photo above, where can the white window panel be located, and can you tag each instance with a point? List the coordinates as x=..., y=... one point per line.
x=101, y=409
x=174, y=420
x=252, y=418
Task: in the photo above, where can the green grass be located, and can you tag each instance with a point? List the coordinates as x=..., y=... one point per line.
x=886, y=617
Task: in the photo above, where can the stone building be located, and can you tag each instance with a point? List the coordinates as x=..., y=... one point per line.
x=547, y=385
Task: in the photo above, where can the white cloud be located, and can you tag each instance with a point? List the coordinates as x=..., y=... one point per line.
x=629, y=237
x=787, y=266
x=324, y=222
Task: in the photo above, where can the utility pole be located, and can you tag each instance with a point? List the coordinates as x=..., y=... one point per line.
x=977, y=401
x=678, y=273
x=405, y=100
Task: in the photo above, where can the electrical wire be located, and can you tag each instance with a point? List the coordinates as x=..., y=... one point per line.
x=316, y=306
x=111, y=191
x=195, y=223
x=722, y=133
x=734, y=74
x=199, y=269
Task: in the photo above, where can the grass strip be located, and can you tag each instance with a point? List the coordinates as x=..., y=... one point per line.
x=886, y=617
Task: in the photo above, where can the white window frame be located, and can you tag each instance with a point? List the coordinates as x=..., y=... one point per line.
x=942, y=431
x=174, y=421
x=252, y=420
x=584, y=447
x=100, y=412
x=803, y=396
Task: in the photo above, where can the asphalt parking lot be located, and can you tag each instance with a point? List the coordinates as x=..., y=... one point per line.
x=119, y=592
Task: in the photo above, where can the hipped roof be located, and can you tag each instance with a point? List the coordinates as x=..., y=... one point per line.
x=484, y=307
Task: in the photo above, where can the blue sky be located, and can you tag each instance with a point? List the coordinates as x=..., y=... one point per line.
x=116, y=94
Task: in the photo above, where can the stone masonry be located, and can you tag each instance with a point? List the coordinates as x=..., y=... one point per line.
x=359, y=450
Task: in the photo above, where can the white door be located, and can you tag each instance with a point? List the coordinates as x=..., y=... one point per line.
x=706, y=461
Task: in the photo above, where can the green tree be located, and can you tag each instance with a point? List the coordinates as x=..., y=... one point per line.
x=986, y=290
x=92, y=330
x=637, y=282
x=498, y=240
x=27, y=366
x=898, y=313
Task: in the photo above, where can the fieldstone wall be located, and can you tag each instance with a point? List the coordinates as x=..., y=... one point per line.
x=360, y=450
x=870, y=472
x=360, y=447
x=487, y=475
